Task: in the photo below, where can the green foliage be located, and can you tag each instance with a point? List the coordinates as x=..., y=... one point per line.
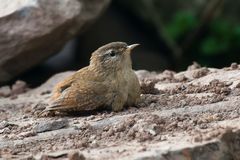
x=221, y=37
x=213, y=46
x=236, y=38
x=182, y=22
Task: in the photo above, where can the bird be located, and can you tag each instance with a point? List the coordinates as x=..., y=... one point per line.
x=108, y=82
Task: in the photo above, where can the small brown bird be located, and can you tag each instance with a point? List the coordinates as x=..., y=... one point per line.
x=108, y=81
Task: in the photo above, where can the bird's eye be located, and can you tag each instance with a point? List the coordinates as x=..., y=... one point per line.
x=112, y=53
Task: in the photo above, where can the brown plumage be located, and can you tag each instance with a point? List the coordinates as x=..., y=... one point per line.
x=108, y=81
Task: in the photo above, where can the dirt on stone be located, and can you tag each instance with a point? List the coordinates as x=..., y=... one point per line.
x=190, y=105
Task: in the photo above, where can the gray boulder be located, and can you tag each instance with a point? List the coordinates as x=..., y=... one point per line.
x=32, y=30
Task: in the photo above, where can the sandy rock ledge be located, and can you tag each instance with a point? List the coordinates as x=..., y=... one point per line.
x=193, y=114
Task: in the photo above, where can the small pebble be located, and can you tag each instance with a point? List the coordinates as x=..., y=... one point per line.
x=19, y=87
x=5, y=91
x=50, y=126
x=3, y=124
x=74, y=155
x=234, y=66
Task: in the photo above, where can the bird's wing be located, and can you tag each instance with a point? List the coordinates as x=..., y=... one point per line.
x=81, y=97
x=66, y=83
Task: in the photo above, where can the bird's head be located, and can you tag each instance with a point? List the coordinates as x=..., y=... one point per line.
x=113, y=56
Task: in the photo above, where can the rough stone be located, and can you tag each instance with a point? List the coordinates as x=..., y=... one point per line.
x=32, y=30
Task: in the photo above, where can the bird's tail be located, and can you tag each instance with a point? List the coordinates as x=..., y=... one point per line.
x=49, y=109
x=56, y=108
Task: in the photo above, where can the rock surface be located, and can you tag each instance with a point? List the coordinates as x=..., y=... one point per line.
x=181, y=116
x=32, y=30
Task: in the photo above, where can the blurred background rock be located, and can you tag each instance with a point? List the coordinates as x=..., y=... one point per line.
x=172, y=34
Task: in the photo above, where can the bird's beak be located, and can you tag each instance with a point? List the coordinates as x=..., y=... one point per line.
x=131, y=47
